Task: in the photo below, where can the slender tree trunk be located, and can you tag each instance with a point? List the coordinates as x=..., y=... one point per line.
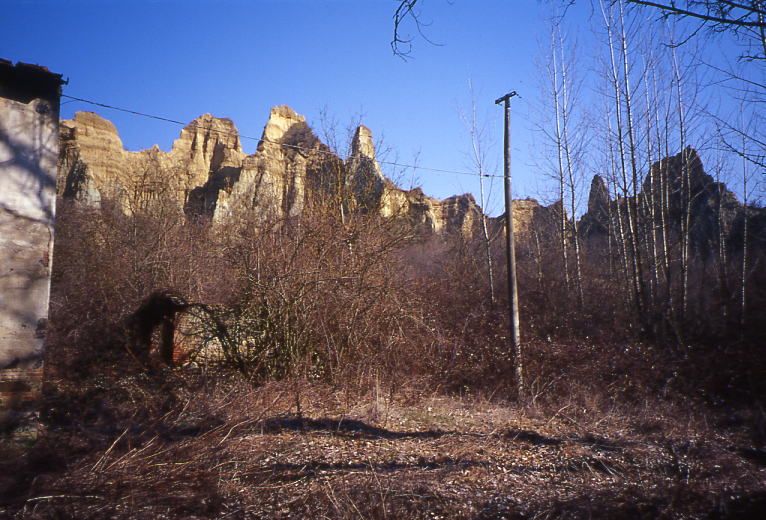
x=610, y=236
x=490, y=269
x=760, y=7
x=629, y=240
x=478, y=157
x=617, y=227
x=649, y=200
x=486, y=239
x=743, y=295
x=662, y=207
x=565, y=111
x=685, y=191
x=559, y=152
x=487, y=245
x=723, y=279
x=632, y=202
x=665, y=223
x=538, y=260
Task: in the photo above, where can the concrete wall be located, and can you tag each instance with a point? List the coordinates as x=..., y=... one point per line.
x=29, y=115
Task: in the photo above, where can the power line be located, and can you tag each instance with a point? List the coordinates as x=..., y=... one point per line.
x=263, y=139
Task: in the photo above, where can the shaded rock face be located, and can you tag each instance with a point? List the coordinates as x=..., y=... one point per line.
x=712, y=204
x=206, y=174
x=596, y=220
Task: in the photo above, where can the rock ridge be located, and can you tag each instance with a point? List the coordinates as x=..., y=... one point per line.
x=712, y=205
x=207, y=175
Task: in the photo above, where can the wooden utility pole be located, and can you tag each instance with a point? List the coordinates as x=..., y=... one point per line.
x=510, y=249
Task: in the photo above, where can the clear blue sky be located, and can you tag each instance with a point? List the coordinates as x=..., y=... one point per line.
x=238, y=58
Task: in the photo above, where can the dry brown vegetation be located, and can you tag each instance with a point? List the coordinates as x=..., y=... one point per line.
x=222, y=448
x=367, y=376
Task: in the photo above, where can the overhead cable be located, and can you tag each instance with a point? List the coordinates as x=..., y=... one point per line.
x=263, y=139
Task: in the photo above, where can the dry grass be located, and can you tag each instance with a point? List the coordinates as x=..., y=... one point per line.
x=294, y=450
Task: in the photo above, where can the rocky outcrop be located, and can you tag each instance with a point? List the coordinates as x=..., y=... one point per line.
x=714, y=209
x=207, y=175
x=596, y=220
x=712, y=204
x=276, y=180
x=95, y=168
x=365, y=180
x=530, y=216
x=373, y=191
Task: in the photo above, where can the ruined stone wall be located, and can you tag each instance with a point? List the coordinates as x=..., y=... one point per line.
x=29, y=147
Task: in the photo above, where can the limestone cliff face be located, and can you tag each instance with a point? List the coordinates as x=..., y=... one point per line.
x=529, y=216
x=364, y=178
x=206, y=174
x=372, y=190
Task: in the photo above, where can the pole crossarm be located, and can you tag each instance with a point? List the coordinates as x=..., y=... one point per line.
x=506, y=97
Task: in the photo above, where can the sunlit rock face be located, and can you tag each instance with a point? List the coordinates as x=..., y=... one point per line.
x=96, y=169
x=372, y=191
x=272, y=182
x=364, y=178
x=206, y=174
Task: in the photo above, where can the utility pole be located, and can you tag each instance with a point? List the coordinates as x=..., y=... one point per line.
x=510, y=248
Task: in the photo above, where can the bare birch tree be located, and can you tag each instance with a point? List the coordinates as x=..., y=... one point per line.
x=622, y=99
x=567, y=143
x=558, y=143
x=478, y=159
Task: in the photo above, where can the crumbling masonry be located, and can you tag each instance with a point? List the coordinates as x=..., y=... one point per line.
x=29, y=144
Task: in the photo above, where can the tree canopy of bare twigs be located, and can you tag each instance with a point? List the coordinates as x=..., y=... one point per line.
x=743, y=17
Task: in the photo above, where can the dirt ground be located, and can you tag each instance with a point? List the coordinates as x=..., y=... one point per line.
x=278, y=453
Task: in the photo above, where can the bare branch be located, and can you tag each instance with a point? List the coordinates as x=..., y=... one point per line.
x=404, y=10
x=672, y=9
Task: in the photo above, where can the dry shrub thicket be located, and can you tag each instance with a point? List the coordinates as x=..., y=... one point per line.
x=321, y=312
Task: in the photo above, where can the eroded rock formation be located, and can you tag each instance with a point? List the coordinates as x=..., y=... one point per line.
x=95, y=168
x=596, y=220
x=715, y=213
x=206, y=174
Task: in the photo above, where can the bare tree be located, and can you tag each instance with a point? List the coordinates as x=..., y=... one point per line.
x=478, y=159
x=569, y=89
x=406, y=11
x=556, y=88
x=619, y=71
x=745, y=267
x=745, y=18
x=648, y=200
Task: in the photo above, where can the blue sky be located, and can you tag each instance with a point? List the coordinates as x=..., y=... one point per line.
x=237, y=59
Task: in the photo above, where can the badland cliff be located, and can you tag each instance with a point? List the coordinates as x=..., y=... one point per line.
x=206, y=174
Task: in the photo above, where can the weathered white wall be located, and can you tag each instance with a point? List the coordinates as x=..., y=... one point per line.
x=28, y=162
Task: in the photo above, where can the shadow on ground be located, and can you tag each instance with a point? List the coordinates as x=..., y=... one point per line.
x=343, y=426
